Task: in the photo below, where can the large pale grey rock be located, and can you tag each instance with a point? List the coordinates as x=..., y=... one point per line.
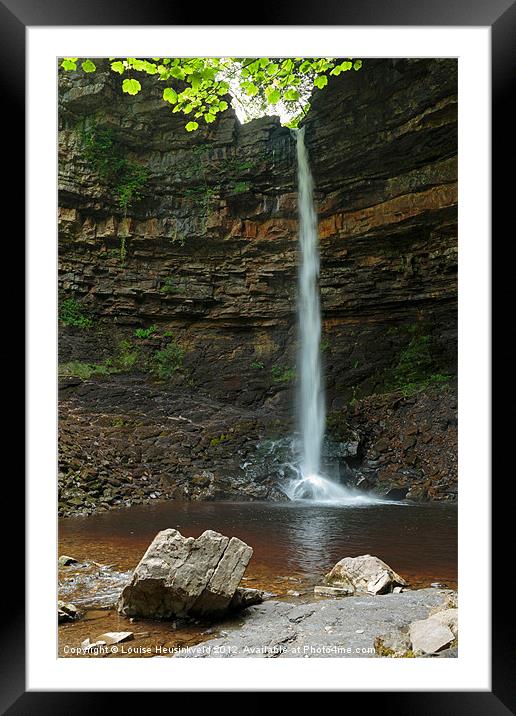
x=225, y=579
x=429, y=636
x=364, y=575
x=182, y=576
x=448, y=617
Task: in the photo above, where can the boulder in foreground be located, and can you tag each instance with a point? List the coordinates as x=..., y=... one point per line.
x=363, y=575
x=182, y=576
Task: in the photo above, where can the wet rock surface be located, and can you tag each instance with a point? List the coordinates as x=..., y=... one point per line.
x=124, y=440
x=407, y=444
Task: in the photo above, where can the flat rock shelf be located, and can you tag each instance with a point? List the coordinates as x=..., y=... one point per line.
x=345, y=627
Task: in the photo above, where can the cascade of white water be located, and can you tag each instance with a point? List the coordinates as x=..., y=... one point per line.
x=310, y=484
x=311, y=396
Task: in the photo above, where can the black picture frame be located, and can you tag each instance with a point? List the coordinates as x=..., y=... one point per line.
x=500, y=15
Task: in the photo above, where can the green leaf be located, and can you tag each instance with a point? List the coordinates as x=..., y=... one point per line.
x=170, y=95
x=69, y=63
x=177, y=72
x=209, y=74
x=192, y=126
x=223, y=105
x=195, y=81
x=272, y=95
x=321, y=81
x=251, y=89
x=291, y=95
x=118, y=67
x=88, y=66
x=357, y=65
x=272, y=68
x=209, y=117
x=131, y=86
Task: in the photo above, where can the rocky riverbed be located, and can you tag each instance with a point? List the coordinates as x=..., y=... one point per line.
x=347, y=627
x=187, y=599
x=125, y=439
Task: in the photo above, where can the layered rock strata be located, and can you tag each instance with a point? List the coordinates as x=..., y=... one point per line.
x=208, y=257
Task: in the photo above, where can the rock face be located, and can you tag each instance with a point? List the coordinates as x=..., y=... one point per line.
x=364, y=574
x=182, y=576
x=209, y=256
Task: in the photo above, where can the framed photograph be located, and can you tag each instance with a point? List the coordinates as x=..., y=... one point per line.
x=258, y=292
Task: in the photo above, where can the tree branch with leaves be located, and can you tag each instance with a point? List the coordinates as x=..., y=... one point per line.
x=199, y=86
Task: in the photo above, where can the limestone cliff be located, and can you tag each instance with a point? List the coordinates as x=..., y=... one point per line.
x=208, y=256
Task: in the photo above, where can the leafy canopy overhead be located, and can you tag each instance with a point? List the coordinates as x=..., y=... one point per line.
x=199, y=86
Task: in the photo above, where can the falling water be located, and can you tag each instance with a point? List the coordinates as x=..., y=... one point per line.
x=312, y=416
x=310, y=484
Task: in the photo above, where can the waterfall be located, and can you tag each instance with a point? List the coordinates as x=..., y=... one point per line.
x=310, y=484
x=311, y=397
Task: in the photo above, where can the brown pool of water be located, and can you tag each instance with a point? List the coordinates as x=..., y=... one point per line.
x=294, y=545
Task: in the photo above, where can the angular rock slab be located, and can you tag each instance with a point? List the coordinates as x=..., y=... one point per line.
x=182, y=576
x=365, y=574
x=448, y=617
x=429, y=636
